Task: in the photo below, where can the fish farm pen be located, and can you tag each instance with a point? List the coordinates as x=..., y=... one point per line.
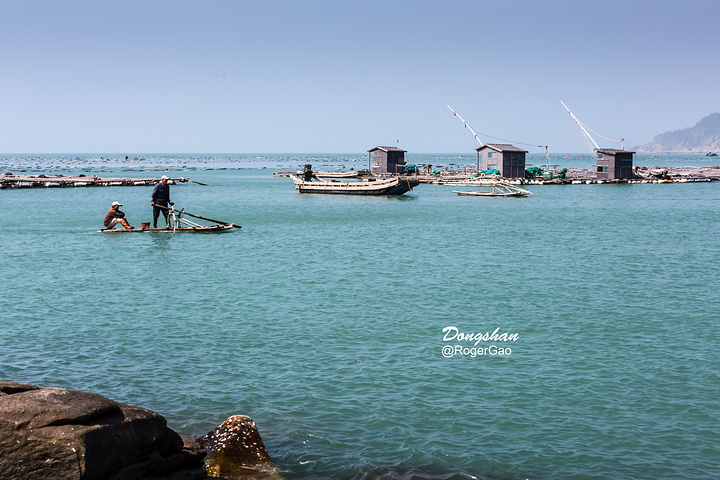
x=571, y=176
x=577, y=176
x=8, y=180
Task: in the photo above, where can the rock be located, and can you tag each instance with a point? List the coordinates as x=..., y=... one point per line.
x=73, y=435
x=236, y=451
x=8, y=388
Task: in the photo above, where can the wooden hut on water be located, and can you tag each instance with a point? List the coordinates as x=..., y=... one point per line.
x=509, y=160
x=614, y=164
x=387, y=160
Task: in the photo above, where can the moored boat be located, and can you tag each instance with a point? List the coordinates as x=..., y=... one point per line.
x=658, y=172
x=343, y=174
x=477, y=181
x=500, y=189
x=371, y=186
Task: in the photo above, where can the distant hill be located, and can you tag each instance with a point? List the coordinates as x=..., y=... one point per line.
x=703, y=137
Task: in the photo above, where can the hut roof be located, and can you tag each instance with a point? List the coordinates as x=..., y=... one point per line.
x=612, y=151
x=502, y=147
x=387, y=149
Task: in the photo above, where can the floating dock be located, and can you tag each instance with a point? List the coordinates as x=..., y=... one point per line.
x=8, y=180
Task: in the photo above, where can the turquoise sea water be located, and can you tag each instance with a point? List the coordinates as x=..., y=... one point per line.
x=323, y=317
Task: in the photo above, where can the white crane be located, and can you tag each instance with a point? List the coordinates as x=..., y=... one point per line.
x=586, y=135
x=467, y=126
x=589, y=141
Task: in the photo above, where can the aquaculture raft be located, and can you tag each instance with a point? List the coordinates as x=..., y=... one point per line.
x=8, y=180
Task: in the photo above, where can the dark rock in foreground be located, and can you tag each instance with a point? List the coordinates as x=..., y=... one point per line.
x=59, y=434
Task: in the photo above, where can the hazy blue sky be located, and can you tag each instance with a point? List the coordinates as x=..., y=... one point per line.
x=276, y=76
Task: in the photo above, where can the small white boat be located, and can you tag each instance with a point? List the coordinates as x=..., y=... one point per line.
x=658, y=172
x=500, y=189
x=348, y=174
x=477, y=181
x=370, y=186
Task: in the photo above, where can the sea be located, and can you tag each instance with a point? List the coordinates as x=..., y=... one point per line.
x=571, y=334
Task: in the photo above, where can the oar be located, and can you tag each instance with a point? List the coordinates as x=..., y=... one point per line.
x=211, y=220
x=203, y=218
x=203, y=184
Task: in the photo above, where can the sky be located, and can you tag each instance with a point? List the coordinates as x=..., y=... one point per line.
x=341, y=76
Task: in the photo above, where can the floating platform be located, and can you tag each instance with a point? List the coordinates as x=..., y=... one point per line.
x=8, y=180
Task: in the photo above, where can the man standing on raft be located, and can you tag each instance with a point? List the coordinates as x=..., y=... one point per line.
x=115, y=216
x=161, y=198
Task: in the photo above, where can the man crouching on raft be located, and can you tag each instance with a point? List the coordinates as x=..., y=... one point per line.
x=115, y=216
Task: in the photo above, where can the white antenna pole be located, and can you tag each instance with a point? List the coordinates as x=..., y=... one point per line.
x=466, y=125
x=580, y=124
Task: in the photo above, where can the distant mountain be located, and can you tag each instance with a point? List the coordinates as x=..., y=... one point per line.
x=703, y=137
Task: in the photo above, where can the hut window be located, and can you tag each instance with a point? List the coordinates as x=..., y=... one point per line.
x=602, y=169
x=600, y=156
x=490, y=154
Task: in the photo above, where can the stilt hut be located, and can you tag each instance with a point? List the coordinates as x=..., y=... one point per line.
x=509, y=160
x=614, y=164
x=387, y=160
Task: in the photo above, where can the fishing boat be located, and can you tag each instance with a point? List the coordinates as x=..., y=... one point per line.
x=500, y=189
x=369, y=186
x=178, y=223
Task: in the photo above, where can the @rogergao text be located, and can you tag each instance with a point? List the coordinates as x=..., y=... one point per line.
x=491, y=351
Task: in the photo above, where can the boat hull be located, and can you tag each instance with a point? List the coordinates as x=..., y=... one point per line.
x=490, y=194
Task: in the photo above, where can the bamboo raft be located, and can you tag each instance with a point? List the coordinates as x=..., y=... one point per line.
x=178, y=224
x=200, y=229
x=8, y=180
